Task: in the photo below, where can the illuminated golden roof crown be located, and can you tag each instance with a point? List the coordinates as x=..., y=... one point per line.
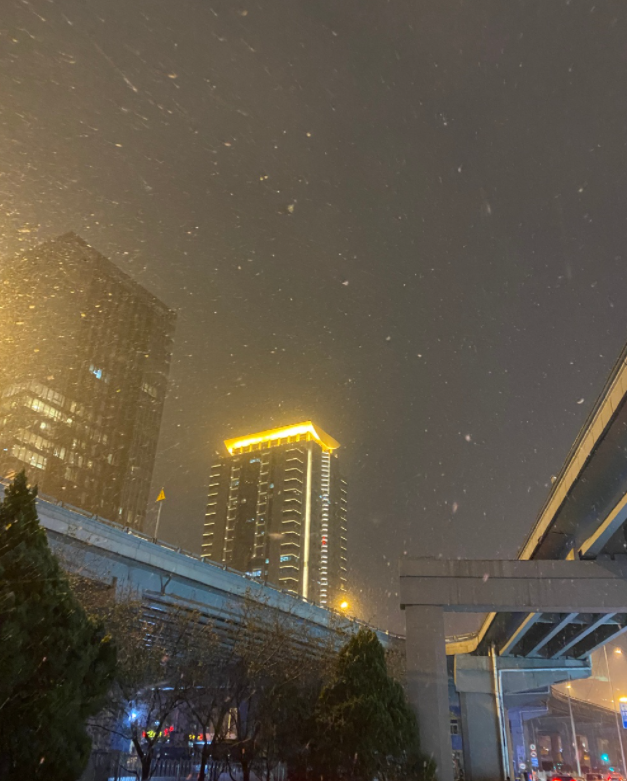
x=275, y=435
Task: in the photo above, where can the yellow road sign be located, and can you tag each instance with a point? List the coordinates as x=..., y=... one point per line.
x=161, y=496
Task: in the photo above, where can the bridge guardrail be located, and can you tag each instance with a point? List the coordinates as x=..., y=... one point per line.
x=45, y=498
x=600, y=400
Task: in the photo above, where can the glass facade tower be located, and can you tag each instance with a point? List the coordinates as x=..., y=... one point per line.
x=84, y=360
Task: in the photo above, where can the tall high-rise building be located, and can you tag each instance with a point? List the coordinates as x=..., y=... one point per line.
x=277, y=511
x=84, y=360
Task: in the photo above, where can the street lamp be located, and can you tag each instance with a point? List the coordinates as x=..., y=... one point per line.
x=344, y=605
x=609, y=678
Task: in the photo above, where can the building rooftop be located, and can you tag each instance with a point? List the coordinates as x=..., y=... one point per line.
x=274, y=437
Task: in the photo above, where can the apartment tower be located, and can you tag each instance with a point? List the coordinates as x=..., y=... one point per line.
x=277, y=511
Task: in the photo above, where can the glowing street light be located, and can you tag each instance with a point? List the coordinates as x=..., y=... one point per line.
x=344, y=605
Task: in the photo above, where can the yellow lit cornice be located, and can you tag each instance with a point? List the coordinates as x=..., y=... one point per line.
x=275, y=434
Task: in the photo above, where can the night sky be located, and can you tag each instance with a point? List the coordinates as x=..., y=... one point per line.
x=403, y=220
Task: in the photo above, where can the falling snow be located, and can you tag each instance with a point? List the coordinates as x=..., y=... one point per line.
x=242, y=165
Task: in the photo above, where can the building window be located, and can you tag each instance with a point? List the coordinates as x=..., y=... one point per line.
x=45, y=409
x=29, y=457
x=97, y=372
x=30, y=438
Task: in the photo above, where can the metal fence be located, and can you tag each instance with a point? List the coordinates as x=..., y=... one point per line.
x=117, y=766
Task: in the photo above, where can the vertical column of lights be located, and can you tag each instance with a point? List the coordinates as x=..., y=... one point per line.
x=291, y=520
x=262, y=509
x=231, y=512
x=343, y=534
x=325, y=485
x=210, y=514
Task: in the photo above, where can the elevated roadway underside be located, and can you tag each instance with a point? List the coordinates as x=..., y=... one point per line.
x=564, y=596
x=583, y=518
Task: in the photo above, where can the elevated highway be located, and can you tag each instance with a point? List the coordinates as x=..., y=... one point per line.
x=164, y=576
x=582, y=518
x=547, y=611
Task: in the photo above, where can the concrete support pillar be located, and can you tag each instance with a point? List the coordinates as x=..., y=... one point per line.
x=480, y=733
x=513, y=767
x=480, y=725
x=427, y=684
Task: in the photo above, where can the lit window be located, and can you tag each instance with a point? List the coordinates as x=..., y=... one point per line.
x=29, y=457
x=98, y=373
x=45, y=409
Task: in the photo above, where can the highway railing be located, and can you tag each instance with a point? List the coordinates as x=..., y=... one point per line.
x=47, y=499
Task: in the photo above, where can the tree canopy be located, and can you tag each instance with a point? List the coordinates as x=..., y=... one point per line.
x=366, y=726
x=56, y=662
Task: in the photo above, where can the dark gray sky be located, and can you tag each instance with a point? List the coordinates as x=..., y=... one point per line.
x=403, y=220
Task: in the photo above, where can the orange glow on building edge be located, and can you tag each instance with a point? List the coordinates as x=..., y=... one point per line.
x=274, y=435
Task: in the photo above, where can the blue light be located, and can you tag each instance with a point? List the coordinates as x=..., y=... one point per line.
x=605, y=758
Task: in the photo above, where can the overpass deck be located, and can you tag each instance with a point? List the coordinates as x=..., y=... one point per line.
x=109, y=553
x=582, y=518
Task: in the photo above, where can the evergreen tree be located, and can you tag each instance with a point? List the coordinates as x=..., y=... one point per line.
x=56, y=663
x=365, y=724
